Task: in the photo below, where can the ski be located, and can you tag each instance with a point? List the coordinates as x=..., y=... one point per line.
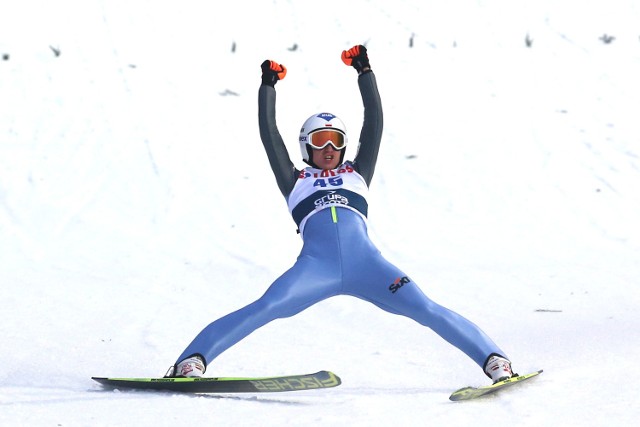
x=322, y=379
x=468, y=393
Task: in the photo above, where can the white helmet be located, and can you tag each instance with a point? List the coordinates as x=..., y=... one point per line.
x=321, y=121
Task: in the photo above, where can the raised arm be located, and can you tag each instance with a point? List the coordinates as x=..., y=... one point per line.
x=281, y=165
x=371, y=133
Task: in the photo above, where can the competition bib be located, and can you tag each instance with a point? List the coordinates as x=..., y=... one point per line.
x=318, y=189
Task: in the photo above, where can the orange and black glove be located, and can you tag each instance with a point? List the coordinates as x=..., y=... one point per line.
x=272, y=72
x=357, y=58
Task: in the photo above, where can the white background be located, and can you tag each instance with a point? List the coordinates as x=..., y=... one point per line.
x=137, y=206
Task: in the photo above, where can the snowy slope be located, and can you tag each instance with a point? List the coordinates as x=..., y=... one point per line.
x=137, y=205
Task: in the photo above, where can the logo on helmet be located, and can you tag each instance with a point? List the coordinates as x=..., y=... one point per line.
x=326, y=116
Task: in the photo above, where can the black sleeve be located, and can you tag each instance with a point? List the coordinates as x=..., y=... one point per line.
x=283, y=169
x=371, y=134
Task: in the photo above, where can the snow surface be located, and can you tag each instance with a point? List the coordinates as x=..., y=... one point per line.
x=137, y=206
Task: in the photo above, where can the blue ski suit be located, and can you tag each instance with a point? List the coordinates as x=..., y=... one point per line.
x=337, y=256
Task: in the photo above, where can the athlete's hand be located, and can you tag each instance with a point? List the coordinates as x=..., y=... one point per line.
x=272, y=72
x=357, y=58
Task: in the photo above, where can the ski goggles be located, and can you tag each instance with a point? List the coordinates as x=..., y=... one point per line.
x=321, y=138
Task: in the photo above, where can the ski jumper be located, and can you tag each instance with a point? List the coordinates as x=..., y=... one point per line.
x=337, y=257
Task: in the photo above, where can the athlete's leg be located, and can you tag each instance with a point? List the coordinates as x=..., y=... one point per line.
x=391, y=289
x=367, y=275
x=306, y=283
x=410, y=301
